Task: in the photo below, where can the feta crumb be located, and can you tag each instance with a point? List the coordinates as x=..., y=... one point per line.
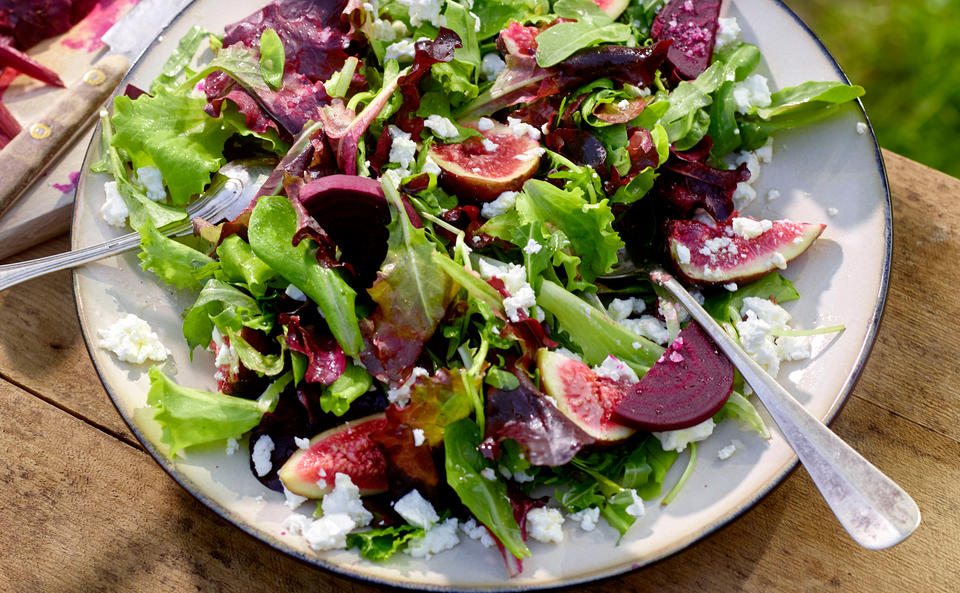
x=649, y=327
x=403, y=150
x=683, y=254
x=501, y=205
x=752, y=92
x=425, y=11
x=832, y=211
x=728, y=32
x=772, y=195
x=301, y=443
x=489, y=145
x=292, y=501
x=113, y=210
x=488, y=474
x=749, y=228
x=484, y=124
x=616, y=370
x=545, y=524
x=430, y=166
x=568, y=353
x=530, y=154
x=732, y=286
x=151, y=179
x=416, y=510
x=636, y=507
x=491, y=66
x=296, y=524
x=383, y=30
x=132, y=340
x=329, y=532
x=295, y=293
x=522, y=299
x=442, y=536
x=532, y=247
x=779, y=260
x=861, y=128
x=345, y=499
x=677, y=440
x=587, y=518
x=401, y=395
x=261, y=455
x=765, y=152
x=418, y=437
x=478, y=532
x=521, y=476
x=743, y=195
x=726, y=452
x=520, y=129
x=232, y=446
x=401, y=51
x=441, y=126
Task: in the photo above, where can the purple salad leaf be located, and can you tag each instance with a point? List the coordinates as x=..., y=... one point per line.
x=326, y=360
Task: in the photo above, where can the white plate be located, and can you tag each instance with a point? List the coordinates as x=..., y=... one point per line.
x=843, y=279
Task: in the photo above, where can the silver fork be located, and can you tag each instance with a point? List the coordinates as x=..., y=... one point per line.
x=873, y=509
x=238, y=183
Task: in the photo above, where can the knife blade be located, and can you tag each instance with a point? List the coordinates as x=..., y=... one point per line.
x=28, y=155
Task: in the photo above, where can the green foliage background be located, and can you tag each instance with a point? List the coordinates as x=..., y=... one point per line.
x=906, y=53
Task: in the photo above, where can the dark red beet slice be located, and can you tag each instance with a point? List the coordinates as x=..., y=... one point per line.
x=689, y=383
x=692, y=25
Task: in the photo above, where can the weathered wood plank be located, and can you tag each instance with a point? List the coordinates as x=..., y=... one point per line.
x=86, y=512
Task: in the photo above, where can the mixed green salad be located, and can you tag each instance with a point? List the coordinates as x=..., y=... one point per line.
x=425, y=319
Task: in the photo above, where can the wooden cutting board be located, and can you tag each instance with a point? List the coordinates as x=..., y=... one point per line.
x=46, y=209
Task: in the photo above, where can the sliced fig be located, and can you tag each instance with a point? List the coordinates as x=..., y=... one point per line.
x=713, y=253
x=478, y=170
x=688, y=384
x=692, y=26
x=613, y=8
x=346, y=449
x=582, y=395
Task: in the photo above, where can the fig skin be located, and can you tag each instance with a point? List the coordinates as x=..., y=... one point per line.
x=473, y=173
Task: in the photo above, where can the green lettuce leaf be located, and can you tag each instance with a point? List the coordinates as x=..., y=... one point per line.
x=174, y=262
x=381, y=544
x=232, y=308
x=239, y=264
x=272, y=58
x=178, y=64
x=354, y=382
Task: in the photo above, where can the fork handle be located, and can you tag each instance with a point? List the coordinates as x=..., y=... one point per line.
x=13, y=274
x=873, y=509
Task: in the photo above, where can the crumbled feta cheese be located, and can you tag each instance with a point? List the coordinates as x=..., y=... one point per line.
x=416, y=510
x=743, y=195
x=530, y=154
x=488, y=474
x=401, y=395
x=345, y=499
x=677, y=440
x=726, y=452
x=401, y=51
x=831, y=211
x=489, y=145
x=732, y=286
x=636, y=507
x=442, y=536
x=620, y=309
x=568, y=353
x=752, y=92
x=749, y=228
x=765, y=152
x=478, y=532
x=383, y=31
x=301, y=442
x=418, y=437
x=532, y=247
x=501, y=205
x=545, y=525
x=296, y=524
x=772, y=195
x=425, y=11
x=329, y=532
x=649, y=327
x=441, y=126
x=861, y=128
x=779, y=260
x=484, y=124
x=430, y=166
x=114, y=210
x=615, y=369
x=761, y=318
x=151, y=179
x=291, y=500
x=491, y=66
x=520, y=129
x=295, y=293
x=132, y=340
x=522, y=298
x=587, y=518
x=683, y=254
x=232, y=446
x=753, y=164
x=261, y=455
x=623, y=104
x=403, y=150
x=728, y=32
x=793, y=347
x=521, y=476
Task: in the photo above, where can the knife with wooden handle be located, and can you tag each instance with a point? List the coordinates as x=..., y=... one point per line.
x=40, y=142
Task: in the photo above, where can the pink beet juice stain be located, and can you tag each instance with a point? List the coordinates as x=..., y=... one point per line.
x=87, y=33
x=67, y=188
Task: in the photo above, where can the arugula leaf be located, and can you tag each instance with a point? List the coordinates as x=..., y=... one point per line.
x=273, y=224
x=179, y=61
x=381, y=544
x=191, y=416
x=337, y=397
x=174, y=262
x=725, y=306
x=239, y=264
x=272, y=58
x=739, y=407
x=495, y=15
x=486, y=499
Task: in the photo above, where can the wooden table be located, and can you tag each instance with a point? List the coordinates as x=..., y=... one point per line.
x=84, y=508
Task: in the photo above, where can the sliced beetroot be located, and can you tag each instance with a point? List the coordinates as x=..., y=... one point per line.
x=690, y=383
x=716, y=254
x=346, y=449
x=692, y=27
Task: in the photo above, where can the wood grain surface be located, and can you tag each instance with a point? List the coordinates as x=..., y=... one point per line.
x=85, y=509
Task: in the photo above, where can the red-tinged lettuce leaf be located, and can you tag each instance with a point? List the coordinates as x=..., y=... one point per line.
x=633, y=65
x=326, y=360
x=412, y=295
x=314, y=36
x=692, y=26
x=427, y=53
x=467, y=219
x=687, y=185
x=408, y=466
x=524, y=415
x=222, y=88
x=435, y=402
x=522, y=505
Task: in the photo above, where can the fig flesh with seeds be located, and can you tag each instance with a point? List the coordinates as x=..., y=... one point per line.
x=582, y=396
x=480, y=169
x=687, y=385
x=613, y=8
x=715, y=253
x=346, y=449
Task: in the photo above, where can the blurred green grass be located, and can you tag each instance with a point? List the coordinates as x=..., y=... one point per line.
x=906, y=53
